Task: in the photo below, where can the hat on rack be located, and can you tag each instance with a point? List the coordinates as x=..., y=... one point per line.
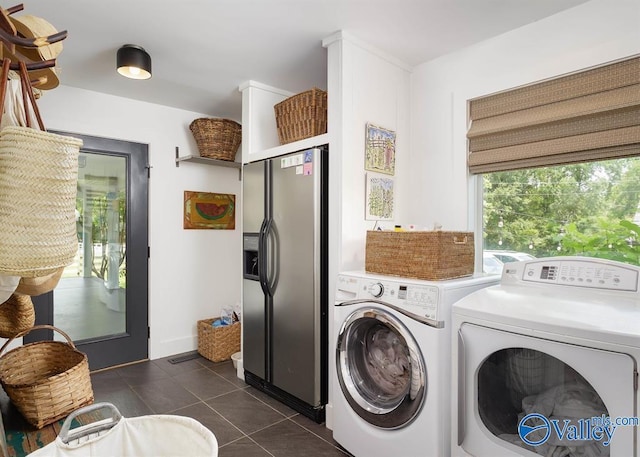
x=39, y=285
x=34, y=27
x=49, y=76
x=30, y=26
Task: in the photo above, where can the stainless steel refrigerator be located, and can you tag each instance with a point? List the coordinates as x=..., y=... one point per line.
x=285, y=302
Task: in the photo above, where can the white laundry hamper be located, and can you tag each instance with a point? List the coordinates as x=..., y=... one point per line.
x=159, y=435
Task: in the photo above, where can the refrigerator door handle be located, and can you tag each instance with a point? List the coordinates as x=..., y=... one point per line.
x=273, y=247
x=262, y=257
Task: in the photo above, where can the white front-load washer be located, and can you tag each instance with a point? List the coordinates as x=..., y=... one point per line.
x=391, y=385
x=546, y=363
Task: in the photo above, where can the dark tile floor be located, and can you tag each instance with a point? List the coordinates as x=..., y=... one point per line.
x=245, y=421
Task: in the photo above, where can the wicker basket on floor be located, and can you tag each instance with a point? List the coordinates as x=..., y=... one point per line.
x=218, y=343
x=217, y=138
x=45, y=380
x=302, y=116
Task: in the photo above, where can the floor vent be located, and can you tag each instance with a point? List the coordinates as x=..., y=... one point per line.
x=185, y=357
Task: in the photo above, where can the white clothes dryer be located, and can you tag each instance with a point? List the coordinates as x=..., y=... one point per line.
x=546, y=363
x=391, y=385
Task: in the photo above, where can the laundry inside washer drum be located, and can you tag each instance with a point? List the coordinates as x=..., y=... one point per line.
x=387, y=362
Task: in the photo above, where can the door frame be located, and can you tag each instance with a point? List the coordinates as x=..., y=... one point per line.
x=133, y=344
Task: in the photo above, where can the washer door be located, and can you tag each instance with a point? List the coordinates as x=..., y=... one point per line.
x=380, y=368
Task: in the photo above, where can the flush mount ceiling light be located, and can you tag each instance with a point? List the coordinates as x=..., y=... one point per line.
x=134, y=62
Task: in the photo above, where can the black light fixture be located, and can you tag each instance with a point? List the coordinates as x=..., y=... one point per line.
x=134, y=62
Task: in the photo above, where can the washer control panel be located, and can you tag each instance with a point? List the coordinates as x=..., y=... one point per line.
x=419, y=299
x=588, y=273
x=376, y=289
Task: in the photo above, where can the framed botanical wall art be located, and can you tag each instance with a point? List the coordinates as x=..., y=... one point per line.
x=379, y=197
x=207, y=210
x=380, y=150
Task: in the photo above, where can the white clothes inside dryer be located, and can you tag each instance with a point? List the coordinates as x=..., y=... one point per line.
x=535, y=382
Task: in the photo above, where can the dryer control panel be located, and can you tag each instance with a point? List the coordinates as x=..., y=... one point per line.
x=575, y=271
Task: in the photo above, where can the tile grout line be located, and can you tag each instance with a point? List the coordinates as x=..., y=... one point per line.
x=171, y=377
x=236, y=388
x=250, y=436
x=130, y=387
x=244, y=435
x=267, y=404
x=260, y=446
x=313, y=433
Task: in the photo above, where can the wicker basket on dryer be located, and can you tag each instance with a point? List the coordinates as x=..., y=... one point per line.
x=431, y=255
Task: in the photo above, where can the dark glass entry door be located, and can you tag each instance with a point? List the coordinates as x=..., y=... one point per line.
x=101, y=300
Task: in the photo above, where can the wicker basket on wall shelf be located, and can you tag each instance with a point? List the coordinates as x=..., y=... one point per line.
x=217, y=138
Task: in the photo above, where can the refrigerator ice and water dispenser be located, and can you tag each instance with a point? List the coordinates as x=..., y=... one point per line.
x=250, y=256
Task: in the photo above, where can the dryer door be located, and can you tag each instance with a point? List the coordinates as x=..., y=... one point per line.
x=520, y=395
x=380, y=368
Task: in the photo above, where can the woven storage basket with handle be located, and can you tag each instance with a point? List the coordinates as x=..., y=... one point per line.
x=217, y=138
x=218, y=343
x=431, y=255
x=45, y=380
x=302, y=116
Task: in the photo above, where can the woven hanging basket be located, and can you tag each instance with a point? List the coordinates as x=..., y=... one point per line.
x=217, y=138
x=45, y=380
x=38, y=180
x=16, y=315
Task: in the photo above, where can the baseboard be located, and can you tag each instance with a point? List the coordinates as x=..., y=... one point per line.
x=166, y=348
x=328, y=409
x=240, y=370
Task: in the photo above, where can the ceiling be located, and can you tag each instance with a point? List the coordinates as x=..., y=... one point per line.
x=202, y=50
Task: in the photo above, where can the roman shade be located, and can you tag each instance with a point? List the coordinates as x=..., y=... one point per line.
x=585, y=116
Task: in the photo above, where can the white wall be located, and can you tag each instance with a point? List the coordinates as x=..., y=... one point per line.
x=587, y=35
x=365, y=86
x=192, y=273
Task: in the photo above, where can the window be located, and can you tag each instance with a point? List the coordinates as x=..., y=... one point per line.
x=560, y=165
x=587, y=209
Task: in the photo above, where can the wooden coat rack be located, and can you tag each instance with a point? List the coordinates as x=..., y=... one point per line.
x=12, y=42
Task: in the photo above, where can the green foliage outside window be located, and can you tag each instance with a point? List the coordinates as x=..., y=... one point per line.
x=584, y=209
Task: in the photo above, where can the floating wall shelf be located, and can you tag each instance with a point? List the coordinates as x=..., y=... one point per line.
x=208, y=161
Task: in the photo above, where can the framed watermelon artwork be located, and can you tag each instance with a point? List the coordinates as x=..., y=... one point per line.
x=207, y=210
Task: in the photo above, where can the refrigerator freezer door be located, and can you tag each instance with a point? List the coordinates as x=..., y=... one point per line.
x=296, y=291
x=253, y=299
x=253, y=328
x=253, y=197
